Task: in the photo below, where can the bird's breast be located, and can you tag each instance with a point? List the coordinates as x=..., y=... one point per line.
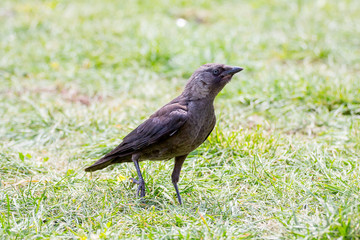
x=201, y=121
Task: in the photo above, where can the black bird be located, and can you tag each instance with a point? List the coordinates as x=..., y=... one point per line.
x=177, y=128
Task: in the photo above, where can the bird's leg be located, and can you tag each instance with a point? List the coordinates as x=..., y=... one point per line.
x=176, y=174
x=140, y=182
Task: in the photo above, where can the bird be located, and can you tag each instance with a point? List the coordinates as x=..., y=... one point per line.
x=176, y=129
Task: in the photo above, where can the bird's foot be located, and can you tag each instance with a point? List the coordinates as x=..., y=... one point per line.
x=141, y=189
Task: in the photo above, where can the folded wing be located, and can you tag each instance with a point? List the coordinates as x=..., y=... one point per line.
x=160, y=126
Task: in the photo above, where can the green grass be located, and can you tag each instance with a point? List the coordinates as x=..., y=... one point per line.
x=283, y=161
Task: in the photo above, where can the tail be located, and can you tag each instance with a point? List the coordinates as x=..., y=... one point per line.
x=100, y=164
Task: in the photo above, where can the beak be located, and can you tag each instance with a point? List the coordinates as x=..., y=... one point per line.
x=232, y=71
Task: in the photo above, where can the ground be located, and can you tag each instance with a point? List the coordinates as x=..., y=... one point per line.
x=282, y=162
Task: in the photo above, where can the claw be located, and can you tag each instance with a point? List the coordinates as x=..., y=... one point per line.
x=133, y=180
x=140, y=188
x=140, y=182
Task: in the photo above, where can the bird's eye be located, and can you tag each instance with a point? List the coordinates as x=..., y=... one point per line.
x=216, y=72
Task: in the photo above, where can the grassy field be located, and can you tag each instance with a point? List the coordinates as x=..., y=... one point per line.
x=283, y=161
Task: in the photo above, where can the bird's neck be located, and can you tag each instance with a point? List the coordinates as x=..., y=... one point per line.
x=195, y=92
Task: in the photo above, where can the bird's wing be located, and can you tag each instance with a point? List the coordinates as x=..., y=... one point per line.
x=161, y=125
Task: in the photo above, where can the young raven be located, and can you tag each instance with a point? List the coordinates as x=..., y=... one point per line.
x=177, y=128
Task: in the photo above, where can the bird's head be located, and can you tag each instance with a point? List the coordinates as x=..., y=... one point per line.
x=208, y=80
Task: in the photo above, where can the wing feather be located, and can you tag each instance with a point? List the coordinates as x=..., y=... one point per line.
x=161, y=125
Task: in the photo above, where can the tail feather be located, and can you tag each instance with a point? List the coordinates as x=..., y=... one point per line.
x=100, y=164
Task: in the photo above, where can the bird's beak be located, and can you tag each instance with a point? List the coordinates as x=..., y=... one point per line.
x=227, y=75
x=232, y=71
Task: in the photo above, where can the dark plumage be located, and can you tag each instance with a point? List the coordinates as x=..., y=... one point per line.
x=177, y=128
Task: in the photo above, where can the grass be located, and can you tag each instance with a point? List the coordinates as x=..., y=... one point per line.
x=283, y=161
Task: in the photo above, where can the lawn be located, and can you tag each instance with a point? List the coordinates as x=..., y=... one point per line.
x=283, y=161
